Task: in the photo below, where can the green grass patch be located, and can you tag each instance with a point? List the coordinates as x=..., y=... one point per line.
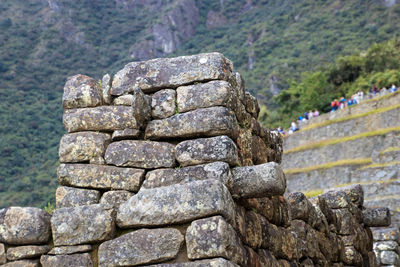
x=313, y=193
x=390, y=149
x=343, y=162
x=334, y=141
x=380, y=165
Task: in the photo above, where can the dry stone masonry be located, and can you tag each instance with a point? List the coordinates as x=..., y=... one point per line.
x=165, y=164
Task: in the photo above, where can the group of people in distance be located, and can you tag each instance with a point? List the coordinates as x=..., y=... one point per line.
x=338, y=104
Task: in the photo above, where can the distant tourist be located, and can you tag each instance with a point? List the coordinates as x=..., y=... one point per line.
x=281, y=131
x=393, y=89
x=360, y=95
x=335, y=105
x=342, y=102
x=293, y=127
x=316, y=113
x=310, y=114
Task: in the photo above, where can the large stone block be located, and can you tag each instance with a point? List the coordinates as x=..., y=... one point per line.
x=257, y=181
x=204, y=95
x=106, y=87
x=299, y=206
x=214, y=237
x=26, y=252
x=65, y=250
x=378, y=217
x=197, y=123
x=141, y=107
x=125, y=134
x=165, y=177
x=24, y=226
x=103, y=118
x=83, y=224
x=72, y=197
x=81, y=260
x=23, y=263
x=217, y=262
x=205, y=150
x=254, y=223
x=141, y=154
x=140, y=247
x=100, y=177
x=83, y=146
x=171, y=72
x=115, y=198
x=176, y=204
x=163, y=104
x=81, y=91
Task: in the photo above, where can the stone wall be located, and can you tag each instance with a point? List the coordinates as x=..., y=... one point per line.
x=166, y=165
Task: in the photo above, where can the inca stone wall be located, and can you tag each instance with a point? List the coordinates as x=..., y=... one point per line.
x=357, y=145
x=165, y=164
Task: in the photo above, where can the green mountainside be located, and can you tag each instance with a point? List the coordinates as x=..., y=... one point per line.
x=44, y=41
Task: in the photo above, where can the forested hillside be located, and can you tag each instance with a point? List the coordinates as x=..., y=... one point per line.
x=42, y=42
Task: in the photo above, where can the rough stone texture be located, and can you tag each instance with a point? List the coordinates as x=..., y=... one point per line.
x=176, y=204
x=143, y=246
x=83, y=224
x=384, y=234
x=378, y=217
x=217, y=262
x=163, y=104
x=73, y=197
x=257, y=181
x=264, y=206
x=115, y=198
x=214, y=237
x=23, y=263
x=197, y=123
x=253, y=223
x=171, y=72
x=3, y=255
x=124, y=100
x=103, y=118
x=125, y=134
x=164, y=177
x=105, y=87
x=336, y=199
x=299, y=206
x=81, y=91
x=387, y=245
x=81, y=260
x=389, y=258
x=205, y=150
x=204, y=95
x=24, y=226
x=141, y=154
x=252, y=105
x=65, y=250
x=83, y=146
x=100, y=177
x=26, y=252
x=141, y=106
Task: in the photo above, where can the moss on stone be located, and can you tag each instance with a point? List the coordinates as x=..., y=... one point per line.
x=380, y=165
x=390, y=149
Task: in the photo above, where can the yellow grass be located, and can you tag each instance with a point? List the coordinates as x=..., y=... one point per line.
x=380, y=165
x=343, y=162
x=390, y=149
x=334, y=141
x=313, y=193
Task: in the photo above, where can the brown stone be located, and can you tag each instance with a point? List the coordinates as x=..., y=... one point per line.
x=125, y=134
x=81, y=260
x=73, y=197
x=81, y=91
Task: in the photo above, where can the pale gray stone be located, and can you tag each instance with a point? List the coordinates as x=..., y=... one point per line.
x=171, y=72
x=82, y=146
x=261, y=180
x=65, y=250
x=125, y=134
x=142, y=246
x=212, y=121
x=97, y=160
x=82, y=225
x=103, y=118
x=384, y=234
x=164, y=177
x=214, y=237
x=3, y=255
x=81, y=260
x=23, y=263
x=24, y=226
x=163, y=104
x=81, y=91
x=100, y=177
x=376, y=217
x=141, y=106
x=387, y=245
x=140, y=154
x=105, y=87
x=176, y=204
x=217, y=262
x=115, y=198
x=205, y=150
x=389, y=258
x=26, y=252
x=336, y=199
x=124, y=100
x=72, y=197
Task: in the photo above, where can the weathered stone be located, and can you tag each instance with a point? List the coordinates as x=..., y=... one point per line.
x=176, y=204
x=115, y=198
x=299, y=206
x=100, y=177
x=125, y=134
x=103, y=118
x=214, y=237
x=253, y=259
x=24, y=226
x=3, y=255
x=105, y=87
x=263, y=206
x=141, y=106
x=280, y=241
x=97, y=160
x=317, y=219
x=73, y=197
x=378, y=217
x=346, y=221
x=81, y=260
x=259, y=151
x=141, y=247
x=240, y=222
x=164, y=177
x=141, y=154
x=355, y=193
x=81, y=91
x=205, y=150
x=171, y=72
x=253, y=236
x=204, y=95
x=267, y=258
x=23, y=263
x=352, y=256
x=384, y=234
x=217, y=262
x=197, y=123
x=387, y=245
x=65, y=250
x=83, y=146
x=124, y=100
x=336, y=199
x=163, y=104
x=26, y=252
x=83, y=224
x=389, y=258
x=257, y=181
x=252, y=106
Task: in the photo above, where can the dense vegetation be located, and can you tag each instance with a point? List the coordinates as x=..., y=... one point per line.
x=40, y=45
